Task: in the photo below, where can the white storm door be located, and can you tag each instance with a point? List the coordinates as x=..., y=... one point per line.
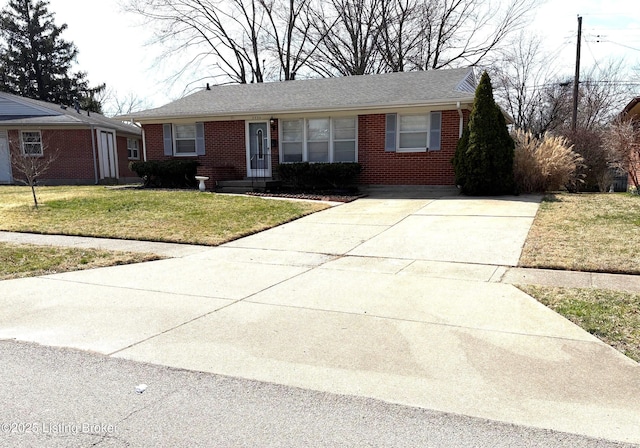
x=258, y=150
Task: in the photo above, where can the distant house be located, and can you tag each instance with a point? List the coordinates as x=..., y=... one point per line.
x=91, y=148
x=401, y=127
x=632, y=112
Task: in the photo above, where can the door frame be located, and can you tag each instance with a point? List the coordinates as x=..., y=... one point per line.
x=109, y=163
x=4, y=135
x=267, y=171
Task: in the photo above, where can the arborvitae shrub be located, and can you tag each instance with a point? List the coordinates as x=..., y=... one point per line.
x=483, y=162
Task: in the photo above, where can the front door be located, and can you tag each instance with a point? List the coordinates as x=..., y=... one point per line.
x=5, y=159
x=107, y=154
x=258, y=150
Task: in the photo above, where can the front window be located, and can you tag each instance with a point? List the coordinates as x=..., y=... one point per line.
x=318, y=132
x=292, y=140
x=185, y=139
x=344, y=139
x=31, y=143
x=413, y=132
x=133, y=149
x=319, y=140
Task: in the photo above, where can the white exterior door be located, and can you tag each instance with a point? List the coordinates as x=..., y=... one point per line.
x=107, y=154
x=258, y=150
x=5, y=159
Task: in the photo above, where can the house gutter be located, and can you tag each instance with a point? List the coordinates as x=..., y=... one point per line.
x=461, y=118
x=95, y=156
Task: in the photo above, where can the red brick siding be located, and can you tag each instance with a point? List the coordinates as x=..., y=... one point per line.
x=75, y=161
x=418, y=168
x=123, y=157
x=225, y=152
x=75, y=153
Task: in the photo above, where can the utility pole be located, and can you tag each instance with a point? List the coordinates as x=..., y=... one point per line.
x=576, y=79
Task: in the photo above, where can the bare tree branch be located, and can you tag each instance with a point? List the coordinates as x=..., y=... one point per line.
x=31, y=164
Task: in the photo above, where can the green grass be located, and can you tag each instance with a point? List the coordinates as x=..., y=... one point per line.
x=586, y=232
x=25, y=260
x=155, y=215
x=593, y=233
x=612, y=316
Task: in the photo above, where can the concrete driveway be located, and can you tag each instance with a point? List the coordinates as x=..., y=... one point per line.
x=389, y=298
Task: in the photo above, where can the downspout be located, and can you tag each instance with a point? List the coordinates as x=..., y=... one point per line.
x=144, y=146
x=95, y=155
x=461, y=118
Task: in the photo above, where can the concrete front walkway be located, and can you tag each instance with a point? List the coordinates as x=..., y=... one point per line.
x=389, y=298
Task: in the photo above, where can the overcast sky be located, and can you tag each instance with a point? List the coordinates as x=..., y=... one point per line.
x=112, y=47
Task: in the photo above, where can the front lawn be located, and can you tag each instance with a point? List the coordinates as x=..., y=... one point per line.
x=612, y=316
x=596, y=233
x=26, y=260
x=586, y=232
x=182, y=216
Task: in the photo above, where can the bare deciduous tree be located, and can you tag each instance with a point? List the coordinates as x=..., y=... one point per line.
x=403, y=29
x=31, y=161
x=289, y=34
x=346, y=36
x=115, y=104
x=622, y=141
x=521, y=75
x=226, y=32
x=253, y=40
x=463, y=32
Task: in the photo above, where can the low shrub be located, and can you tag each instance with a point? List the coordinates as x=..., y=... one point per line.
x=166, y=173
x=306, y=176
x=543, y=164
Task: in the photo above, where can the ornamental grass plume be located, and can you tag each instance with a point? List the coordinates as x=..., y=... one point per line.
x=543, y=164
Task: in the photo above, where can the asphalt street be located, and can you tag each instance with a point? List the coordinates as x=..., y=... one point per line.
x=58, y=397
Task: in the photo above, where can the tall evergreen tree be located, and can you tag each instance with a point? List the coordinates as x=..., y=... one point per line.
x=483, y=162
x=36, y=62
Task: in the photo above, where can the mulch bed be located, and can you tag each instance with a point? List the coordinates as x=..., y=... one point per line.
x=311, y=196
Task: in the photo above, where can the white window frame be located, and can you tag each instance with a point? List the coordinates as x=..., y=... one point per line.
x=282, y=141
x=23, y=144
x=131, y=149
x=174, y=133
x=335, y=140
x=331, y=138
x=399, y=132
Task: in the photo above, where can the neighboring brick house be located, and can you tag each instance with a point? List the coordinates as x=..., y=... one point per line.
x=91, y=148
x=401, y=127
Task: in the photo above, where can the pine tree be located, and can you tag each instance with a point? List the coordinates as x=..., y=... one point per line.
x=36, y=62
x=483, y=162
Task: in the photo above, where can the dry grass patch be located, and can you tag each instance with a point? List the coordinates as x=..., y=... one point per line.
x=612, y=316
x=153, y=215
x=25, y=260
x=586, y=232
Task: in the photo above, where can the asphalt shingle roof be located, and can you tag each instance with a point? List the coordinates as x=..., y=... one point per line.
x=21, y=111
x=327, y=94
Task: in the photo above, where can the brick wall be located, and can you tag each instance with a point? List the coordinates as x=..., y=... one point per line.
x=225, y=149
x=416, y=168
x=75, y=160
x=123, y=158
x=75, y=155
